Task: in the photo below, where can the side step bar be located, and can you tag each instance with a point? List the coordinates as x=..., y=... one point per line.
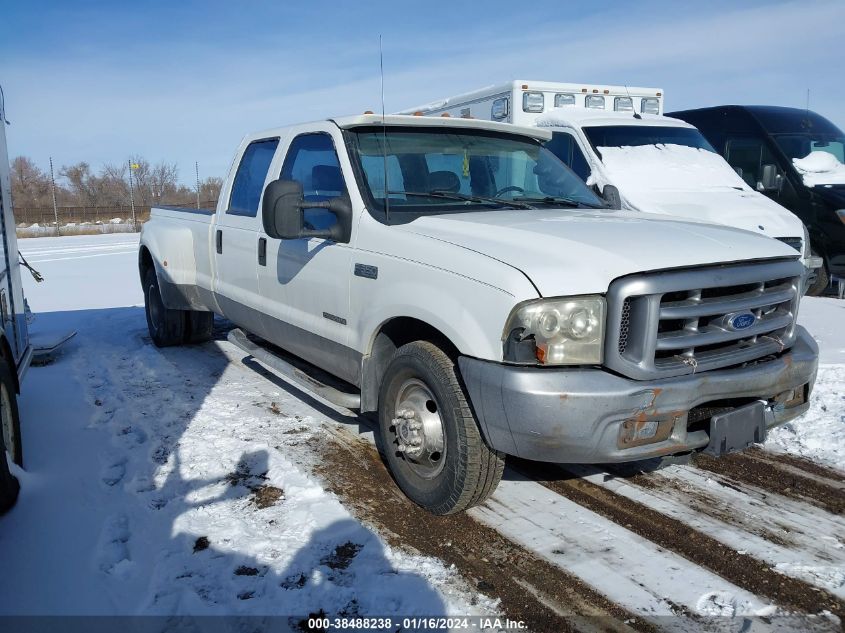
x=238, y=338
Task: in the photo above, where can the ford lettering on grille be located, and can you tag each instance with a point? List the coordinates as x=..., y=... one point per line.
x=741, y=321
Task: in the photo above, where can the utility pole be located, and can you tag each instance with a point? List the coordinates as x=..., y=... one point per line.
x=132, y=195
x=53, y=191
x=197, y=169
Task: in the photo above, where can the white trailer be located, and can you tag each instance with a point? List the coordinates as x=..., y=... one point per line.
x=522, y=102
x=15, y=348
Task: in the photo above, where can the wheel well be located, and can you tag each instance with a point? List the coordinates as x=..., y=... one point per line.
x=145, y=262
x=392, y=335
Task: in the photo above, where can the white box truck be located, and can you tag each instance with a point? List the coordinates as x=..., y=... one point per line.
x=520, y=101
x=616, y=140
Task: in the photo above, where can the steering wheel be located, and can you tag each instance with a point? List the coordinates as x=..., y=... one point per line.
x=511, y=188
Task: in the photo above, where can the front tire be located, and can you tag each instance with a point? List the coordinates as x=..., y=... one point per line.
x=429, y=434
x=166, y=326
x=821, y=282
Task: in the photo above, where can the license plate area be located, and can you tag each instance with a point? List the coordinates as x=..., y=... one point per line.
x=738, y=429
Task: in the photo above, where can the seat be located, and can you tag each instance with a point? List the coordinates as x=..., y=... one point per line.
x=444, y=181
x=327, y=181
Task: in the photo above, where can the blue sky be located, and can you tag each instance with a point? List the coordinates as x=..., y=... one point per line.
x=184, y=81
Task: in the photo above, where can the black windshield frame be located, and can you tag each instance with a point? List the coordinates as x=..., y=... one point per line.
x=668, y=135
x=399, y=215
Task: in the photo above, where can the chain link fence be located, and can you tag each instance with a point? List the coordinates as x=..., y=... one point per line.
x=79, y=220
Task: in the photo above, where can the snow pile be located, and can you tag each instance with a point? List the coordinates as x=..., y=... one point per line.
x=819, y=434
x=643, y=168
x=820, y=168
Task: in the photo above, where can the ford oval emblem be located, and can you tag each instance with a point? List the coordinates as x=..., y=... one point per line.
x=741, y=321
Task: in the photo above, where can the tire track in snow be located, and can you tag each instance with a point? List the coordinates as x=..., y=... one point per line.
x=546, y=597
x=794, y=538
x=763, y=473
x=739, y=568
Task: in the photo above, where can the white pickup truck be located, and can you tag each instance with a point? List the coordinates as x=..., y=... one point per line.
x=483, y=300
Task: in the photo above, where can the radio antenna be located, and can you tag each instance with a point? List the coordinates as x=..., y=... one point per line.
x=383, y=133
x=636, y=114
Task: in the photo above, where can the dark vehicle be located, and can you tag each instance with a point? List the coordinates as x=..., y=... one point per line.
x=762, y=143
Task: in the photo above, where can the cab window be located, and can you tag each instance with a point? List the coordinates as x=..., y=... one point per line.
x=747, y=156
x=250, y=177
x=312, y=162
x=565, y=147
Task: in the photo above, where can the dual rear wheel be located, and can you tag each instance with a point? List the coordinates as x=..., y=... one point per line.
x=173, y=327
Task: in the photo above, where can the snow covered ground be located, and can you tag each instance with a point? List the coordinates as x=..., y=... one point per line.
x=149, y=490
x=178, y=481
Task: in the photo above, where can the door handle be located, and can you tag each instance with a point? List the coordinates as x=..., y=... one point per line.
x=262, y=251
x=219, y=241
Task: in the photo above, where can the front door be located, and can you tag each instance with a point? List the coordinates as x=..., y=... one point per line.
x=305, y=282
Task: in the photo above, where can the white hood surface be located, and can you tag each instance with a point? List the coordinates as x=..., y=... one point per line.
x=694, y=184
x=580, y=251
x=820, y=168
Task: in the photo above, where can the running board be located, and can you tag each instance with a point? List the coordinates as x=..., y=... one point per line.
x=238, y=338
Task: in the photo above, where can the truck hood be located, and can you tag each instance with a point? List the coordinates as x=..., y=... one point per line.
x=742, y=209
x=568, y=251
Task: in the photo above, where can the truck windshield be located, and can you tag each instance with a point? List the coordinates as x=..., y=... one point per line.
x=801, y=145
x=636, y=135
x=435, y=170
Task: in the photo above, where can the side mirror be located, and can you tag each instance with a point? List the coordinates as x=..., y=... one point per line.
x=610, y=193
x=283, y=219
x=769, y=178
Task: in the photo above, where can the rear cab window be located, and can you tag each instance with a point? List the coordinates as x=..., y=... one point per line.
x=250, y=177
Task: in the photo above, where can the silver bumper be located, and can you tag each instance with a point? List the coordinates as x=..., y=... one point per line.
x=593, y=416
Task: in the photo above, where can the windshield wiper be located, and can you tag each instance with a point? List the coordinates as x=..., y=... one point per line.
x=561, y=200
x=453, y=195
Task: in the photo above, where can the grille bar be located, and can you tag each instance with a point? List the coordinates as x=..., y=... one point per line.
x=707, y=307
x=677, y=322
x=683, y=339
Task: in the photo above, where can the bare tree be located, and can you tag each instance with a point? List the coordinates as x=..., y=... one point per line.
x=30, y=185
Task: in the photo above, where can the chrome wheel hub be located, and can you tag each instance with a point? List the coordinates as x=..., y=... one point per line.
x=418, y=428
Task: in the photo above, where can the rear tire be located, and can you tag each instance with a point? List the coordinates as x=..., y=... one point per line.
x=167, y=327
x=10, y=438
x=429, y=434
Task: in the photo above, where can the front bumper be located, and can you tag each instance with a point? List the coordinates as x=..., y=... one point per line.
x=574, y=415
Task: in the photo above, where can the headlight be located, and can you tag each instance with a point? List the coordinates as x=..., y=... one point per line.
x=841, y=214
x=564, y=331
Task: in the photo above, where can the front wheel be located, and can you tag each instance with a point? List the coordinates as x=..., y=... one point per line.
x=821, y=282
x=429, y=434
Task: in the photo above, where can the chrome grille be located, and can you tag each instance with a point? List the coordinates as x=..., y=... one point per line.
x=679, y=322
x=623, y=326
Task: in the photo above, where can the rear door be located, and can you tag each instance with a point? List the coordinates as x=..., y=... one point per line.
x=236, y=234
